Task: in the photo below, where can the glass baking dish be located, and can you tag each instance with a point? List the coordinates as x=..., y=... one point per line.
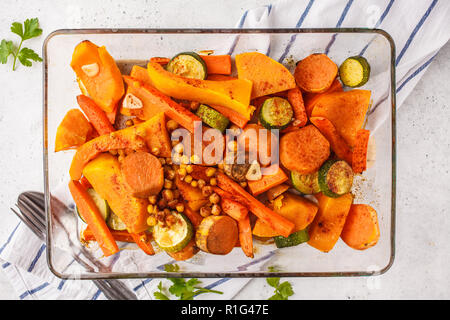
x=128, y=46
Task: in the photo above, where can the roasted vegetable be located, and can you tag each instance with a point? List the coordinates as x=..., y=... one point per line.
x=174, y=237
x=217, y=64
x=294, y=239
x=276, y=113
x=335, y=178
x=96, y=116
x=212, y=118
x=186, y=253
x=233, y=94
x=327, y=226
x=304, y=150
x=305, y=183
x=311, y=98
x=105, y=176
x=99, y=74
x=276, y=191
x=354, y=71
x=188, y=65
x=361, y=230
x=73, y=131
x=268, y=76
x=217, y=234
x=245, y=236
x=346, y=111
x=91, y=214
x=295, y=98
x=360, y=151
x=266, y=182
x=315, y=73
x=101, y=204
x=113, y=221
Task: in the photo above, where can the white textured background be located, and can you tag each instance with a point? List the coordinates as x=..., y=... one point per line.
x=422, y=265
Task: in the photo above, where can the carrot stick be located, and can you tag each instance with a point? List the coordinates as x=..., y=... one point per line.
x=359, y=160
x=266, y=182
x=93, y=218
x=235, y=117
x=280, y=224
x=160, y=60
x=96, y=116
x=85, y=183
x=245, y=236
x=234, y=209
x=193, y=216
x=143, y=241
x=219, y=64
x=118, y=235
x=295, y=98
x=337, y=143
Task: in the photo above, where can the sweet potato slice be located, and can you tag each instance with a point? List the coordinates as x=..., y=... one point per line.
x=217, y=234
x=346, y=111
x=143, y=173
x=268, y=76
x=361, y=230
x=315, y=73
x=304, y=150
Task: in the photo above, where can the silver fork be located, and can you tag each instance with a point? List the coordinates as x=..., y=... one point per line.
x=32, y=212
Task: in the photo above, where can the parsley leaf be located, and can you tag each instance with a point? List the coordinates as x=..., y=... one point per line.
x=282, y=291
x=29, y=29
x=184, y=290
x=6, y=48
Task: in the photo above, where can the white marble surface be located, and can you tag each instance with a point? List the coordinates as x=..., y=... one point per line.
x=421, y=268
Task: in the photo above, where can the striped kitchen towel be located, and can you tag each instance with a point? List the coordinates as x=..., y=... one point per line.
x=419, y=30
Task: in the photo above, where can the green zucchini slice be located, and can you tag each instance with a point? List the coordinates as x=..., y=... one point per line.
x=114, y=222
x=212, y=118
x=354, y=71
x=188, y=65
x=276, y=113
x=175, y=237
x=335, y=178
x=305, y=183
x=294, y=239
x=102, y=205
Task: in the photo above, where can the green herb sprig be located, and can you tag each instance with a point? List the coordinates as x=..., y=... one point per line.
x=184, y=290
x=282, y=290
x=29, y=29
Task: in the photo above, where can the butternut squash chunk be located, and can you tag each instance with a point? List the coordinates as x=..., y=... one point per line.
x=105, y=176
x=346, y=111
x=73, y=131
x=361, y=230
x=106, y=86
x=327, y=226
x=234, y=94
x=268, y=76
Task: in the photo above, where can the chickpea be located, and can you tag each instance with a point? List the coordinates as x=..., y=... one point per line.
x=205, y=211
x=156, y=151
x=215, y=210
x=207, y=191
x=167, y=195
x=210, y=172
x=153, y=199
x=171, y=125
x=201, y=183
x=170, y=219
x=188, y=179
x=214, y=198
x=182, y=172
x=189, y=169
x=151, y=221
x=194, y=183
x=150, y=208
x=194, y=105
x=180, y=207
x=168, y=184
x=129, y=123
x=173, y=203
x=195, y=159
x=213, y=181
x=162, y=203
x=243, y=184
x=162, y=161
x=184, y=159
x=170, y=174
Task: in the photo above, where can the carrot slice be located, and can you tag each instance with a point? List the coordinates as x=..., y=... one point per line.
x=93, y=218
x=218, y=64
x=118, y=235
x=295, y=98
x=234, y=209
x=266, y=182
x=359, y=160
x=283, y=226
x=315, y=73
x=142, y=239
x=96, y=116
x=337, y=143
x=361, y=230
x=235, y=117
x=245, y=236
